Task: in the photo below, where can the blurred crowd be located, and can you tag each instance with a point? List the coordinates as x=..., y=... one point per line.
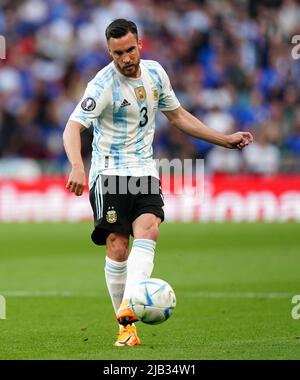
x=229, y=62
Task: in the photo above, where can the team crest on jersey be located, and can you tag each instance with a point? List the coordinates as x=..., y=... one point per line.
x=88, y=104
x=140, y=93
x=111, y=215
x=155, y=94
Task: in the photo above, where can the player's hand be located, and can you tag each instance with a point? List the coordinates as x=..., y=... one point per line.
x=76, y=181
x=239, y=140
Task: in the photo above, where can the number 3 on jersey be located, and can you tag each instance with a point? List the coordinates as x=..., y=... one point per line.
x=144, y=117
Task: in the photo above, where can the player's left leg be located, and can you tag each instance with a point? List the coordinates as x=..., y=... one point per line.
x=140, y=262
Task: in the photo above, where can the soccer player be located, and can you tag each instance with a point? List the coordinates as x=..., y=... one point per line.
x=120, y=103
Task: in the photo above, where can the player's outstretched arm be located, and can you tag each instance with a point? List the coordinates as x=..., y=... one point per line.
x=189, y=124
x=72, y=144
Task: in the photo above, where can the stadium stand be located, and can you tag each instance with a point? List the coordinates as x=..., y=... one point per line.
x=230, y=63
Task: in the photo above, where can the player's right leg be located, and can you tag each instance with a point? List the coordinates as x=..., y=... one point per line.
x=115, y=275
x=112, y=229
x=116, y=266
x=117, y=251
x=127, y=337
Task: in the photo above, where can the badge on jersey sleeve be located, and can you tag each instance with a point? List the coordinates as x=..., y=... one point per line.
x=88, y=104
x=140, y=93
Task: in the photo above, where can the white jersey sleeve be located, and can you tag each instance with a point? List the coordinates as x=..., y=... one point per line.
x=167, y=99
x=95, y=99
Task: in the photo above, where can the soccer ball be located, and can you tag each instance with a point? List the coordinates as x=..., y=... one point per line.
x=152, y=301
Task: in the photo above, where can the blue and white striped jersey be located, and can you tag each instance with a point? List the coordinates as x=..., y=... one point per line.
x=121, y=111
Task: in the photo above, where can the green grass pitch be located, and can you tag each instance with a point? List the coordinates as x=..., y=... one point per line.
x=234, y=285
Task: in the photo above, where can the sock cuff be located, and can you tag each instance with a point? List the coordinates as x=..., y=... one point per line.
x=115, y=267
x=145, y=245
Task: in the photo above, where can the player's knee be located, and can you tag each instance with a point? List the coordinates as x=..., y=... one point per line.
x=149, y=229
x=117, y=246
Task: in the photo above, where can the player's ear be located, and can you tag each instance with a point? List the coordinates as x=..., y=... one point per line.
x=109, y=49
x=140, y=44
x=109, y=52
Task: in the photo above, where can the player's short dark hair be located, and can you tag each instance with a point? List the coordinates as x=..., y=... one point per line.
x=119, y=28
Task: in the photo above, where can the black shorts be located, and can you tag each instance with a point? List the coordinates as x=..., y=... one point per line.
x=117, y=201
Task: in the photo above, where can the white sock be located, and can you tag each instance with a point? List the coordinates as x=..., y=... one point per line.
x=139, y=264
x=115, y=276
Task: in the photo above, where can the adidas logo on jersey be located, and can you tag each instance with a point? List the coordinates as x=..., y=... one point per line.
x=125, y=103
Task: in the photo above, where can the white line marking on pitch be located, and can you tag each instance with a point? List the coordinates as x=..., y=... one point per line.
x=238, y=295
x=204, y=294
x=37, y=293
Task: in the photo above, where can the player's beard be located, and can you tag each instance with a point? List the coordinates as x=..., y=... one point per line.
x=130, y=70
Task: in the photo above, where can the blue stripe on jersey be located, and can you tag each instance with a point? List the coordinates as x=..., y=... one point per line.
x=120, y=124
x=105, y=76
x=155, y=76
x=102, y=80
x=97, y=132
